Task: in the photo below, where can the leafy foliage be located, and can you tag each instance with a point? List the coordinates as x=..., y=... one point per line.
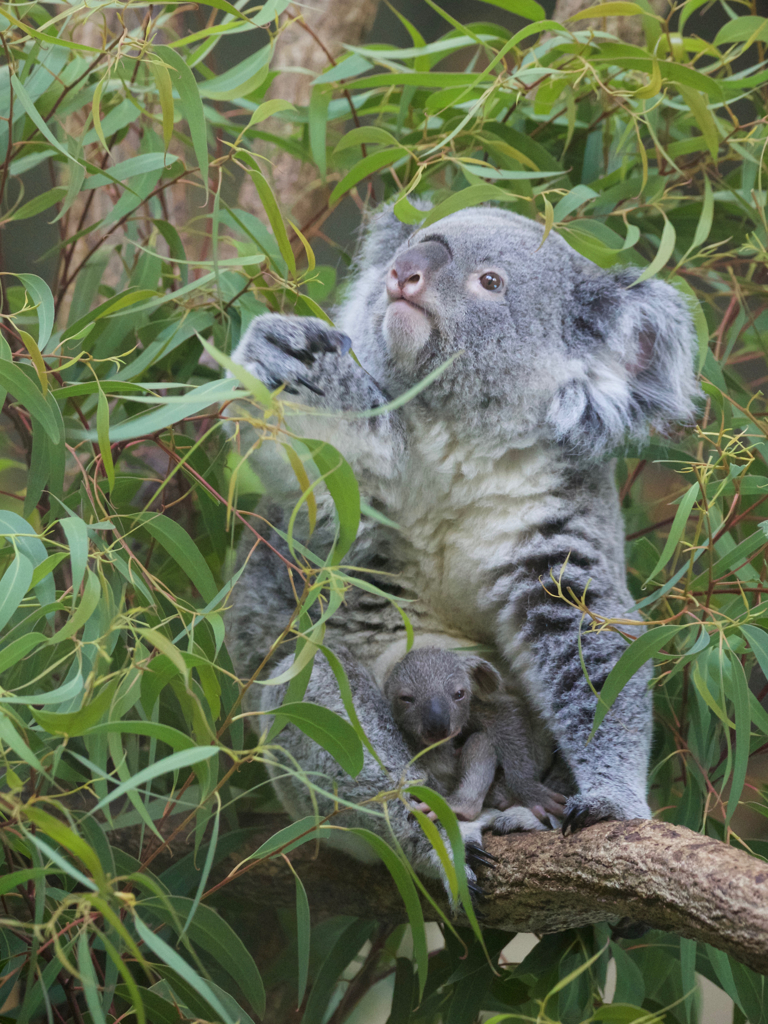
x=122, y=500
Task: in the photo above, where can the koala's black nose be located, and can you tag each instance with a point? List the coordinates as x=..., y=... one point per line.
x=413, y=268
x=436, y=720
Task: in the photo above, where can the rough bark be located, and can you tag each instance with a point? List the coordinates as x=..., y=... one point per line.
x=662, y=875
x=313, y=41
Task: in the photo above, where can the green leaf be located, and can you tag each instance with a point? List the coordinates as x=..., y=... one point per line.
x=19, y=649
x=341, y=955
x=618, y=8
x=240, y=80
x=179, y=545
x=740, y=554
x=404, y=882
x=155, y=730
x=704, y=225
x=88, y=979
x=472, y=196
x=75, y=723
x=171, y=410
x=318, y=122
x=662, y=257
x=343, y=487
x=169, y=956
x=15, y=582
x=165, y=95
x=172, y=763
x=210, y=932
x=303, y=933
x=191, y=106
x=523, y=8
x=367, y=134
x=62, y=834
x=39, y=204
x=275, y=219
x=364, y=168
x=102, y=431
x=676, y=531
x=302, y=831
x=633, y=658
x=704, y=119
x=10, y=736
x=750, y=28
x=330, y=730
x=84, y=610
x=76, y=532
x=14, y=379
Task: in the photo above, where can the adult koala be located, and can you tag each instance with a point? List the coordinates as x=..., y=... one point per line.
x=495, y=472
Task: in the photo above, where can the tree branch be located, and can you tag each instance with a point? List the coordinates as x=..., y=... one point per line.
x=665, y=876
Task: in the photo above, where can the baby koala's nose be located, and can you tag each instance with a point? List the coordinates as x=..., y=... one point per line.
x=412, y=270
x=436, y=721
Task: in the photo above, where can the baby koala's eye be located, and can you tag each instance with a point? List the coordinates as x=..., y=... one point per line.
x=490, y=281
x=406, y=699
x=459, y=695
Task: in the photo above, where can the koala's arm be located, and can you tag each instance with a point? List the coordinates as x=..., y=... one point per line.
x=476, y=772
x=322, y=381
x=540, y=634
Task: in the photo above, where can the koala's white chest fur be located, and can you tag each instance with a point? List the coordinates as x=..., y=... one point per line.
x=462, y=516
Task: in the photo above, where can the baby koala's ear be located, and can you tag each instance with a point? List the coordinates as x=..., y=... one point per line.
x=485, y=679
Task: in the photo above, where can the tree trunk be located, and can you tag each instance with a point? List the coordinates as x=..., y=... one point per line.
x=314, y=40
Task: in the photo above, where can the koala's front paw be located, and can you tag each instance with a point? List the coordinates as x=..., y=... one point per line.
x=282, y=350
x=584, y=810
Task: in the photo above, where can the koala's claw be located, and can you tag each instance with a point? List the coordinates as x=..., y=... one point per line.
x=305, y=342
x=477, y=855
x=582, y=811
x=301, y=379
x=476, y=891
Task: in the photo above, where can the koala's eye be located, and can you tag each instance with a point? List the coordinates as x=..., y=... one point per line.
x=406, y=699
x=459, y=695
x=490, y=281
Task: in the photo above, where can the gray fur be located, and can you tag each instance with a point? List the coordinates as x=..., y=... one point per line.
x=495, y=472
x=492, y=750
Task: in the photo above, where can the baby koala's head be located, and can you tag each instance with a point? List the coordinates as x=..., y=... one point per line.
x=430, y=692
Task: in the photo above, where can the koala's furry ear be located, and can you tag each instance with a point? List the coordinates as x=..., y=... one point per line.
x=485, y=679
x=383, y=233
x=635, y=348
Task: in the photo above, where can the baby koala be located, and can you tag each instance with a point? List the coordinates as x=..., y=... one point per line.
x=491, y=752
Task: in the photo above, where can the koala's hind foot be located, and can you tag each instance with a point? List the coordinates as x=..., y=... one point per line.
x=282, y=350
x=517, y=819
x=584, y=810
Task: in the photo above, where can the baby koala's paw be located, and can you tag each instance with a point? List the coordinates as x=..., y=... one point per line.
x=466, y=810
x=517, y=819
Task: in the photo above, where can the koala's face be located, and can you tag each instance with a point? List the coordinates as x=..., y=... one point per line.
x=547, y=344
x=429, y=692
x=477, y=283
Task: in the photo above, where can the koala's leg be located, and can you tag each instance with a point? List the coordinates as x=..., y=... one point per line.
x=476, y=772
x=540, y=634
x=302, y=770
x=311, y=359
x=522, y=755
